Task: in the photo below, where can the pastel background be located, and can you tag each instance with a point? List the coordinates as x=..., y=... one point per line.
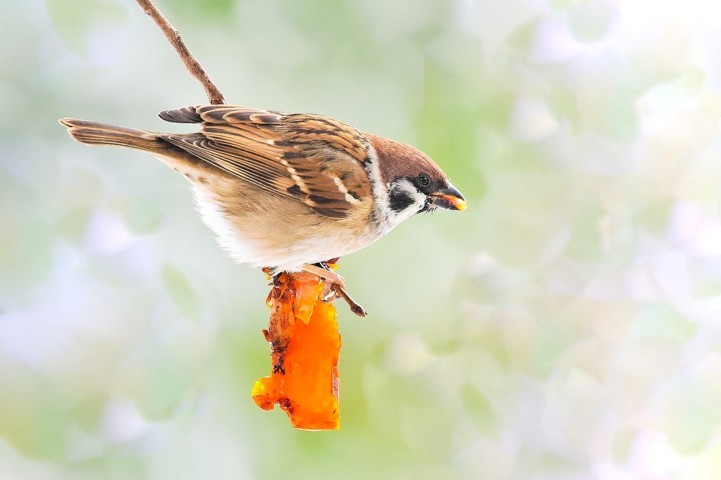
x=566, y=326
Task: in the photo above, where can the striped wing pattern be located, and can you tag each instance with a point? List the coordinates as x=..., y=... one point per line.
x=313, y=158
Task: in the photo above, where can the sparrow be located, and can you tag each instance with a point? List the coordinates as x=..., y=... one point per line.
x=288, y=192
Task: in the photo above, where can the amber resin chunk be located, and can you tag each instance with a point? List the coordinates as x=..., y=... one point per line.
x=304, y=341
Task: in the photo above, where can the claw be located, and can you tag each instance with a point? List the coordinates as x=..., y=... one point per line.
x=328, y=294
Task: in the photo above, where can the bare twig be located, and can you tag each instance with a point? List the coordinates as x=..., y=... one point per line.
x=193, y=66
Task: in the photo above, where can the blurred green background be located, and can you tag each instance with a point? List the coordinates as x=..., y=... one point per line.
x=566, y=326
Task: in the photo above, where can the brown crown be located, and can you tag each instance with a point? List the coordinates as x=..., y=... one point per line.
x=398, y=160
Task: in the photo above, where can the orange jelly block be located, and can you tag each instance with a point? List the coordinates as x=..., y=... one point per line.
x=304, y=341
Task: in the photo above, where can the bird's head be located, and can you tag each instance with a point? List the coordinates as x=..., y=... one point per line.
x=412, y=182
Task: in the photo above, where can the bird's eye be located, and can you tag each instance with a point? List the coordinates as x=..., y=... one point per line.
x=424, y=180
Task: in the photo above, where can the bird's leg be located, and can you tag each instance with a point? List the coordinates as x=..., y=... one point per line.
x=323, y=271
x=334, y=286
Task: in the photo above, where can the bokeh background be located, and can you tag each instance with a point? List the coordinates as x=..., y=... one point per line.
x=566, y=326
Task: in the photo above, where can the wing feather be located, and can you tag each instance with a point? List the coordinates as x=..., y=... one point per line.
x=312, y=158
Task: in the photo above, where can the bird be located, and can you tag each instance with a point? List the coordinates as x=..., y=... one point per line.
x=288, y=192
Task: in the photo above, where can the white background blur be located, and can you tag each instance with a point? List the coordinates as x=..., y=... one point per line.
x=566, y=326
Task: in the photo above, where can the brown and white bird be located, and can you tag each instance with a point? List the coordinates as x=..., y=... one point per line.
x=288, y=191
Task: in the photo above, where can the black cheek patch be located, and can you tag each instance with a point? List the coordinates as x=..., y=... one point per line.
x=399, y=200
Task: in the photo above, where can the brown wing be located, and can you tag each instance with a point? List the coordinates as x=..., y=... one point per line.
x=312, y=158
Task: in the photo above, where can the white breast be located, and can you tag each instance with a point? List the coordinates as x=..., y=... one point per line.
x=266, y=252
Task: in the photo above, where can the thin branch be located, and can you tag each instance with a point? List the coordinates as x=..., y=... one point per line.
x=193, y=66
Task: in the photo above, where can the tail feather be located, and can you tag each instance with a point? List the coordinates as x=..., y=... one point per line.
x=94, y=133
x=195, y=169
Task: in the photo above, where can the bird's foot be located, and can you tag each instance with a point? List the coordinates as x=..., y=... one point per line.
x=334, y=286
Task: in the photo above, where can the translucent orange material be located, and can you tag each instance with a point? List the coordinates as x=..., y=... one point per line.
x=304, y=341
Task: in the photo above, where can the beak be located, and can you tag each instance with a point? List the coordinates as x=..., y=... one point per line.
x=448, y=197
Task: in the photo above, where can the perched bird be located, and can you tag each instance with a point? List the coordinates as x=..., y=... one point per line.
x=288, y=191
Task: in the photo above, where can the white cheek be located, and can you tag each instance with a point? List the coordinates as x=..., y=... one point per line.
x=380, y=191
x=394, y=217
x=389, y=218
